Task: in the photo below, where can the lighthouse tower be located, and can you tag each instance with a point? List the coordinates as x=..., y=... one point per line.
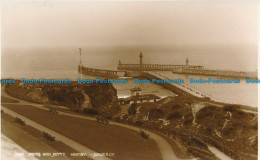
x=187, y=63
x=141, y=60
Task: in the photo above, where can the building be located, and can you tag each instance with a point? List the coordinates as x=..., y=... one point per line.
x=135, y=91
x=137, y=97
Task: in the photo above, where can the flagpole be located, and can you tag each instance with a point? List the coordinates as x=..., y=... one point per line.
x=80, y=63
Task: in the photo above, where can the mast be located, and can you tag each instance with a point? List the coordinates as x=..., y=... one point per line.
x=80, y=63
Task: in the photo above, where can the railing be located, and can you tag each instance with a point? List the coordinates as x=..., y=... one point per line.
x=182, y=86
x=216, y=72
x=149, y=67
x=86, y=70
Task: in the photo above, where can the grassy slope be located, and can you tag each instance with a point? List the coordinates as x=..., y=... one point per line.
x=8, y=100
x=236, y=128
x=125, y=143
x=35, y=144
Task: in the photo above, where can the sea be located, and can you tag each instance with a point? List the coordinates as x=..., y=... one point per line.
x=62, y=63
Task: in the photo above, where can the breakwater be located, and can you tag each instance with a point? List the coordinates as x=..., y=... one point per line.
x=99, y=72
x=208, y=72
x=177, y=88
x=168, y=86
x=154, y=67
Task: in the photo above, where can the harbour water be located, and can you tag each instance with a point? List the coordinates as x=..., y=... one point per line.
x=45, y=66
x=62, y=64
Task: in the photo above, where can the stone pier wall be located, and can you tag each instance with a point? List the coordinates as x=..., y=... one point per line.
x=168, y=86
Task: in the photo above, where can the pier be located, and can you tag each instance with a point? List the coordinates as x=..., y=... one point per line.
x=97, y=72
x=177, y=88
x=222, y=73
x=184, y=69
x=154, y=67
x=152, y=71
x=100, y=72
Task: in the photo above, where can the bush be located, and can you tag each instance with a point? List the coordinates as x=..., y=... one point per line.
x=139, y=123
x=198, y=143
x=230, y=108
x=132, y=109
x=174, y=115
x=205, y=112
x=156, y=113
x=90, y=111
x=176, y=106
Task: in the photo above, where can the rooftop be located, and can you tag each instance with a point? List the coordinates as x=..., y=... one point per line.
x=140, y=97
x=135, y=89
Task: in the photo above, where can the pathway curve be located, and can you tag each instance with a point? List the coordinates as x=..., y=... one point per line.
x=165, y=148
x=69, y=142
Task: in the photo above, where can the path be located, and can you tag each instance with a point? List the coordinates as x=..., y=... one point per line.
x=164, y=147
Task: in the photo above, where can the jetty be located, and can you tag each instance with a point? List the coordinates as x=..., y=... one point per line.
x=135, y=70
x=220, y=73
x=154, y=71
x=154, y=67
x=97, y=72
x=100, y=72
x=184, y=69
x=179, y=88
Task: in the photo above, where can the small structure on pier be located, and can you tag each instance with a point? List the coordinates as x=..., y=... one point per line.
x=136, y=97
x=97, y=72
x=187, y=63
x=135, y=91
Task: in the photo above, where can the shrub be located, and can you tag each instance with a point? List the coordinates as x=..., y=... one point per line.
x=230, y=108
x=174, y=115
x=155, y=113
x=132, y=109
x=90, y=111
x=139, y=123
x=205, y=112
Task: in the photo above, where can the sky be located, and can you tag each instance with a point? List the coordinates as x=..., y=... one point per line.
x=205, y=31
x=53, y=24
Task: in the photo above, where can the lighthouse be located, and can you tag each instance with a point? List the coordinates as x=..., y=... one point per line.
x=187, y=63
x=141, y=60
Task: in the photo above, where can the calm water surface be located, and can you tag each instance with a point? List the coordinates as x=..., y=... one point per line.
x=61, y=64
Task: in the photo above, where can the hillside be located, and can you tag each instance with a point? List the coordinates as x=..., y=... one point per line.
x=103, y=97
x=196, y=123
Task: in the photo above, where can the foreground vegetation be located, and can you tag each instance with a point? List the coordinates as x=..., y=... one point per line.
x=191, y=122
x=195, y=124
x=103, y=97
x=125, y=143
x=8, y=124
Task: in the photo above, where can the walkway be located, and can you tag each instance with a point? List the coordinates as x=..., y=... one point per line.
x=164, y=147
x=181, y=86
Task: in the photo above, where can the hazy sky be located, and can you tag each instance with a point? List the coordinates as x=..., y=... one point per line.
x=216, y=34
x=73, y=24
